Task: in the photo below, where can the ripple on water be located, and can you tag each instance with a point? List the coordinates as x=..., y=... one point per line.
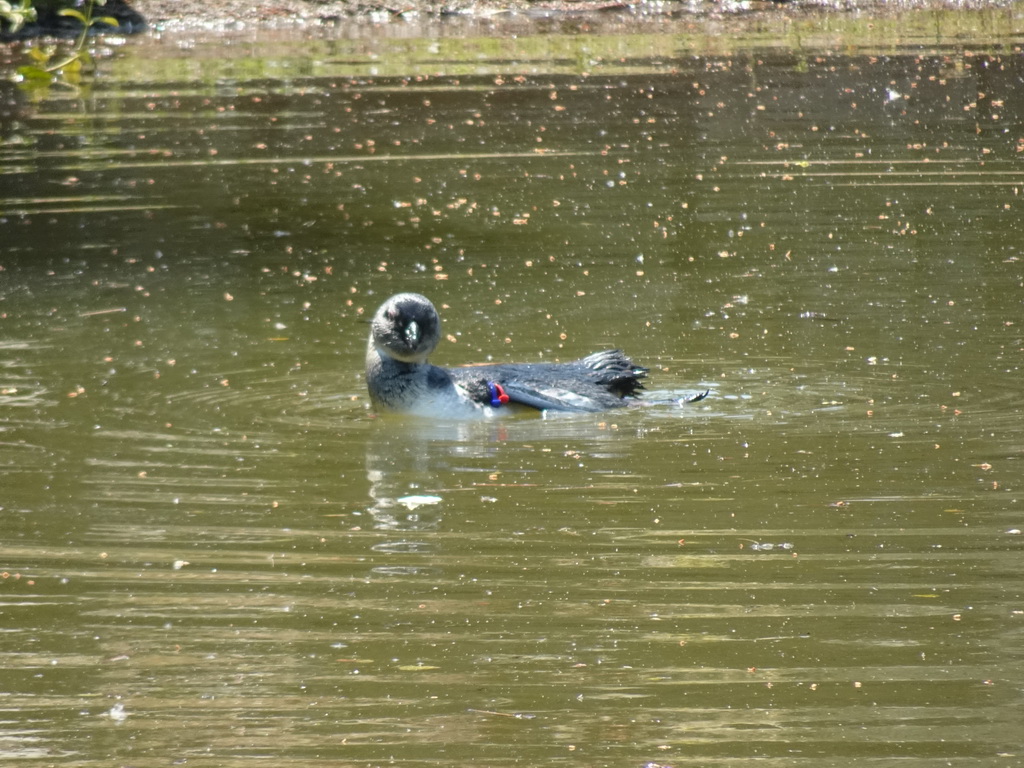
x=312, y=401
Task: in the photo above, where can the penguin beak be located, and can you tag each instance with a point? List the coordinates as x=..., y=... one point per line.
x=412, y=333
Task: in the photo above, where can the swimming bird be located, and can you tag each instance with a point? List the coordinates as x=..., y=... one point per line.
x=407, y=328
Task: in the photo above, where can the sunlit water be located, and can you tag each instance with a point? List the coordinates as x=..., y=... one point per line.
x=213, y=553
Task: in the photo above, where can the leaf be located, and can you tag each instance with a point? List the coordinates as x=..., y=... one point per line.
x=34, y=74
x=14, y=19
x=106, y=20
x=73, y=14
x=38, y=55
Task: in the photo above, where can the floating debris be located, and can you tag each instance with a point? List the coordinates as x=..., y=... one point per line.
x=767, y=546
x=411, y=502
x=820, y=316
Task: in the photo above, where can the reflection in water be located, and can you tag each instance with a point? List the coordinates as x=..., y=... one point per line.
x=211, y=549
x=405, y=457
x=399, y=462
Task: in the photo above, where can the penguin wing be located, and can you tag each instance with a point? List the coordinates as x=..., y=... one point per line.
x=555, y=398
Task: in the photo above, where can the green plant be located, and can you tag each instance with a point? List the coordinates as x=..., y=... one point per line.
x=78, y=53
x=17, y=16
x=68, y=67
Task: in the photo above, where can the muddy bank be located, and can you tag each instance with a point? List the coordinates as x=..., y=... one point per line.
x=299, y=13
x=180, y=15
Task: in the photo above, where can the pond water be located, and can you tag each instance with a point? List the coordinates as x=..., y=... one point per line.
x=213, y=552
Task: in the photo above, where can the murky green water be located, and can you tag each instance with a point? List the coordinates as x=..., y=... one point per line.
x=209, y=548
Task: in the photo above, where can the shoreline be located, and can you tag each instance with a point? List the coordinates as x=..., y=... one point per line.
x=183, y=17
x=300, y=13
x=290, y=14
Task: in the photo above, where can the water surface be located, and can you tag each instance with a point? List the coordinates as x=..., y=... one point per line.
x=214, y=553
